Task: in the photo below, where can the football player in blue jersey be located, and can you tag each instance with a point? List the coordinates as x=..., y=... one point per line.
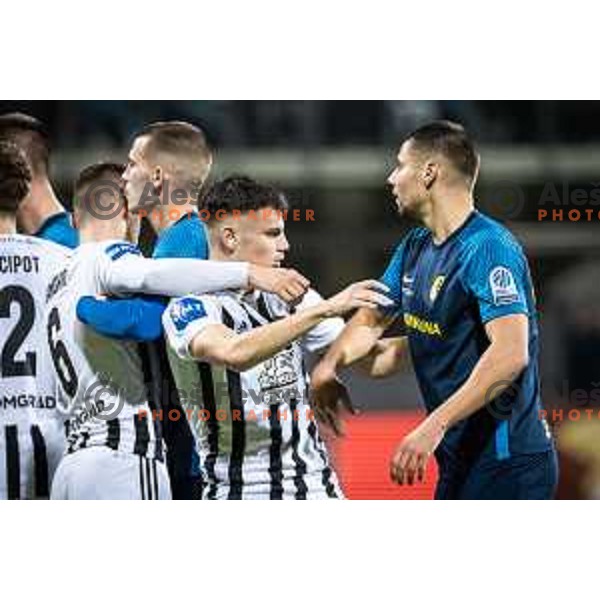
x=41, y=213
x=461, y=284
x=167, y=166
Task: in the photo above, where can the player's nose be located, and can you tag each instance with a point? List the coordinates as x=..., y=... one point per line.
x=284, y=246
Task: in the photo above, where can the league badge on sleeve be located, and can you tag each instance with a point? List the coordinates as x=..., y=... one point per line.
x=504, y=288
x=186, y=310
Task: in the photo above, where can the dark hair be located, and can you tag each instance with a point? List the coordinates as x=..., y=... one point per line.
x=242, y=193
x=181, y=139
x=30, y=135
x=452, y=141
x=96, y=177
x=15, y=177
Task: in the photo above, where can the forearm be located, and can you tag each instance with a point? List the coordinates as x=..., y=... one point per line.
x=494, y=372
x=387, y=357
x=244, y=351
x=176, y=276
x=356, y=342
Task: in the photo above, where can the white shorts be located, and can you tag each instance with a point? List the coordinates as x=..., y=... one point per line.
x=29, y=456
x=99, y=473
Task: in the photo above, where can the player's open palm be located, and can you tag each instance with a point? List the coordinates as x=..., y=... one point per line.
x=288, y=284
x=363, y=294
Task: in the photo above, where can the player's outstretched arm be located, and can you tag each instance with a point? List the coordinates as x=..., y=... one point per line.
x=359, y=341
x=388, y=356
x=219, y=344
x=502, y=362
x=131, y=273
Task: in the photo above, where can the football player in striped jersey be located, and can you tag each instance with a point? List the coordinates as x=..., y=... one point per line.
x=112, y=451
x=31, y=434
x=257, y=436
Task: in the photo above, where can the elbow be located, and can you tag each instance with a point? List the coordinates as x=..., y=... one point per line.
x=518, y=362
x=238, y=358
x=239, y=365
x=377, y=373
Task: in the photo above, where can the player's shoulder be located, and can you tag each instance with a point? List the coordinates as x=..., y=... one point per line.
x=120, y=248
x=59, y=228
x=42, y=247
x=184, y=239
x=186, y=309
x=486, y=234
x=111, y=250
x=413, y=240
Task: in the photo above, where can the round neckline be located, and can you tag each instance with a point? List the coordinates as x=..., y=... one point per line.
x=458, y=230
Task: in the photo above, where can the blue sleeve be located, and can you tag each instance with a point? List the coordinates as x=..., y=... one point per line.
x=138, y=319
x=58, y=229
x=392, y=277
x=497, y=275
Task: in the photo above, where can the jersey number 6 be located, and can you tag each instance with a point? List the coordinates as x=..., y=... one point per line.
x=62, y=363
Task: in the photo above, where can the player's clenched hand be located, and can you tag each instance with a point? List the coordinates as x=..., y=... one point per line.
x=288, y=284
x=410, y=458
x=363, y=294
x=329, y=397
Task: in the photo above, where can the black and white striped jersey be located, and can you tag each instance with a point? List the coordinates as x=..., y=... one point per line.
x=256, y=431
x=106, y=384
x=31, y=431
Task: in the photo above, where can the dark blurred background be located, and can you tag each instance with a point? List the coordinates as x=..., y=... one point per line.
x=334, y=157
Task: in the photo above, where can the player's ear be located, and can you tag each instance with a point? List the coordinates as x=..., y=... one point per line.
x=230, y=238
x=430, y=174
x=157, y=177
x=77, y=218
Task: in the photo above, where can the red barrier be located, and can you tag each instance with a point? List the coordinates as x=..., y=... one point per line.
x=362, y=457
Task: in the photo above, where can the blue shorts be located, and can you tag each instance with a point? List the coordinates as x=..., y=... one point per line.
x=522, y=477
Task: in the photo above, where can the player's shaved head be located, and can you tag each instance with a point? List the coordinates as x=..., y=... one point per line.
x=30, y=135
x=451, y=141
x=181, y=149
x=15, y=177
x=97, y=189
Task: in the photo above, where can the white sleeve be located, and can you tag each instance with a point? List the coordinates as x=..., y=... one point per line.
x=324, y=334
x=125, y=271
x=185, y=318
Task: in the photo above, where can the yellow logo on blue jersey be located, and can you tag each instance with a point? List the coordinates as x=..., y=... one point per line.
x=436, y=287
x=422, y=325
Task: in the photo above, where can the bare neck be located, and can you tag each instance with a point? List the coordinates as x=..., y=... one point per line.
x=8, y=224
x=446, y=214
x=100, y=231
x=41, y=204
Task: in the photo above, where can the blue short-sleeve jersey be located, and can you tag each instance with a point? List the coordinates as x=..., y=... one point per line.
x=184, y=239
x=446, y=293
x=59, y=229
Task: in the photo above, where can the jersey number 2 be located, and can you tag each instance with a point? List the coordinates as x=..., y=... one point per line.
x=10, y=367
